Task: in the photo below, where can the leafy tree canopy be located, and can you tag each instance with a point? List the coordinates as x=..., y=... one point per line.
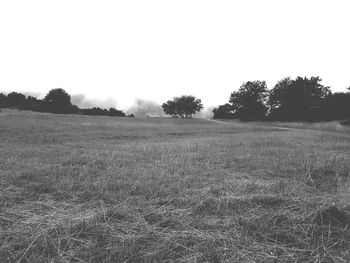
x=115, y=112
x=223, y=112
x=58, y=101
x=184, y=106
x=297, y=100
x=248, y=103
x=336, y=106
x=3, y=100
x=15, y=99
x=57, y=96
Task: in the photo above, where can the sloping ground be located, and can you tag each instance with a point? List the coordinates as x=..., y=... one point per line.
x=164, y=190
x=332, y=126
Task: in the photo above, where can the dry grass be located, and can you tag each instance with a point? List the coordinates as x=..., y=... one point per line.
x=99, y=189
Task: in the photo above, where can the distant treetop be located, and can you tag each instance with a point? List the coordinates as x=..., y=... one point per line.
x=58, y=101
x=183, y=107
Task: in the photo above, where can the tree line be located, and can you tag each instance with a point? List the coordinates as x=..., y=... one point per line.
x=56, y=101
x=299, y=99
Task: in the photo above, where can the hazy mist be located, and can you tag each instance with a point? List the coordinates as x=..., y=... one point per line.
x=84, y=102
x=146, y=108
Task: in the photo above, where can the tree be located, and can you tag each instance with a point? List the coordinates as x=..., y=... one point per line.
x=248, y=103
x=58, y=101
x=116, y=113
x=336, y=106
x=94, y=111
x=297, y=100
x=278, y=93
x=183, y=106
x=15, y=99
x=33, y=104
x=3, y=100
x=223, y=112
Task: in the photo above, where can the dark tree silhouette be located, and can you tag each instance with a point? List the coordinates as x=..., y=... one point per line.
x=34, y=104
x=15, y=99
x=183, y=106
x=104, y=112
x=297, y=100
x=336, y=106
x=278, y=93
x=223, y=112
x=3, y=100
x=116, y=113
x=248, y=103
x=58, y=101
x=94, y=111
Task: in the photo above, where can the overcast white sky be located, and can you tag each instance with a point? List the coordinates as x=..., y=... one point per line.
x=154, y=50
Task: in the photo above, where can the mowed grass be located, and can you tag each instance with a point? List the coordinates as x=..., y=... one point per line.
x=100, y=189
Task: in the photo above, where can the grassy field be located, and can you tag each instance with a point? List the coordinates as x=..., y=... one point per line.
x=99, y=189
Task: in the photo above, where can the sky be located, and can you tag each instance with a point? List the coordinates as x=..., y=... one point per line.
x=118, y=53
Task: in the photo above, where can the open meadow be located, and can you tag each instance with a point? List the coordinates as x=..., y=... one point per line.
x=100, y=189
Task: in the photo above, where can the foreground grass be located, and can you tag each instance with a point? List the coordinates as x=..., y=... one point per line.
x=99, y=189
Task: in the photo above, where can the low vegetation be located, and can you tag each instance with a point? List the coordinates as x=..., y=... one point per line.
x=79, y=188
